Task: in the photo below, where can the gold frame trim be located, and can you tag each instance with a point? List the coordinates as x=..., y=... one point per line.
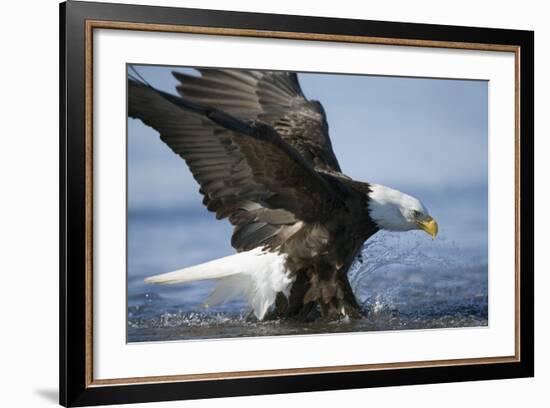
x=99, y=24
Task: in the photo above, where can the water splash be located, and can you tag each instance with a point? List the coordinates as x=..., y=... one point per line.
x=386, y=251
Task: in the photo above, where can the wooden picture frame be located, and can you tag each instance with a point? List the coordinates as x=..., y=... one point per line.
x=78, y=20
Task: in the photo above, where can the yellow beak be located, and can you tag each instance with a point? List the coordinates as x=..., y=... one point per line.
x=429, y=225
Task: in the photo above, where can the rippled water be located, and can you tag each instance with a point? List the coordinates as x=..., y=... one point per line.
x=405, y=281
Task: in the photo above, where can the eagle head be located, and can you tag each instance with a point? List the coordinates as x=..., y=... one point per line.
x=393, y=210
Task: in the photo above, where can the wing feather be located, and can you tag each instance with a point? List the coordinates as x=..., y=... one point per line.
x=273, y=97
x=245, y=170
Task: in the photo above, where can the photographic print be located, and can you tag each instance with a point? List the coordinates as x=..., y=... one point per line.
x=265, y=203
x=229, y=180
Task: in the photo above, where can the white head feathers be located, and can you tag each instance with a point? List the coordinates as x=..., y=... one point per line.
x=395, y=211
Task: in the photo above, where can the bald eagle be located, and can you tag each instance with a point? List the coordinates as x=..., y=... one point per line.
x=262, y=155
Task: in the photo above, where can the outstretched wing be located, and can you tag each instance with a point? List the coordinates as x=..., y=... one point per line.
x=272, y=97
x=245, y=170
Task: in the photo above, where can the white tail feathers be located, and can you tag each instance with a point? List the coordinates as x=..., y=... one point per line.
x=216, y=269
x=256, y=275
